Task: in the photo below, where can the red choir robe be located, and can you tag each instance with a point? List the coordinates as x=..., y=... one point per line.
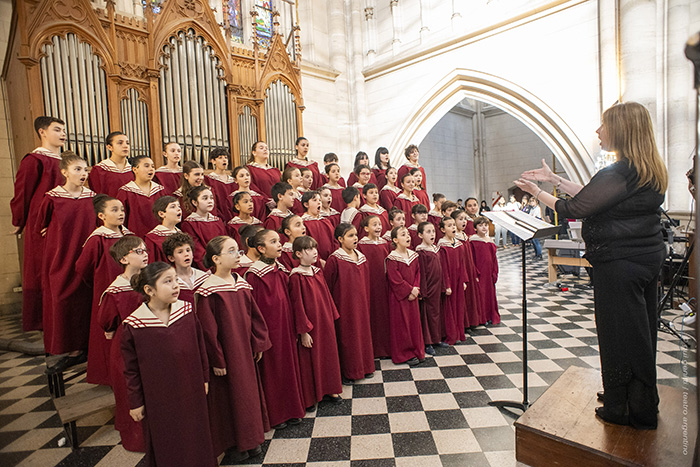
x=337, y=202
x=366, y=211
x=311, y=165
x=287, y=257
x=259, y=204
x=165, y=367
x=263, y=177
x=423, y=197
x=202, y=230
x=376, y=252
x=315, y=313
x=234, y=226
x=352, y=179
x=469, y=229
x=244, y=265
x=279, y=368
x=485, y=261
x=406, y=333
x=298, y=208
x=234, y=330
x=474, y=314
x=379, y=176
x=407, y=168
x=116, y=304
x=170, y=179
x=387, y=237
x=434, y=217
x=321, y=230
x=415, y=239
x=348, y=281
x=221, y=187
x=181, y=199
x=138, y=207
x=97, y=268
x=187, y=291
x=341, y=180
x=404, y=203
x=274, y=222
x=352, y=216
x=69, y=222
x=360, y=188
x=431, y=286
x=107, y=178
x=387, y=197
x=333, y=216
x=38, y=173
x=154, y=242
x=454, y=276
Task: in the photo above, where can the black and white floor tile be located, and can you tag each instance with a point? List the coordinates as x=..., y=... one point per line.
x=435, y=414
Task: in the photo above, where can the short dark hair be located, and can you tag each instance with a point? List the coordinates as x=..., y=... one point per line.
x=393, y=212
x=421, y=227
x=369, y=186
x=342, y=229
x=449, y=204
x=303, y=243
x=123, y=247
x=218, y=152
x=349, y=194
x=284, y=225
x=136, y=160
x=409, y=149
x=365, y=220
x=359, y=168
x=287, y=174
x=308, y=195
x=161, y=204
x=330, y=157
x=330, y=166
x=445, y=220
x=419, y=209
x=43, y=123
x=406, y=174
x=110, y=137
x=175, y=241
x=148, y=276
x=481, y=220
x=279, y=189
x=234, y=174
x=303, y=170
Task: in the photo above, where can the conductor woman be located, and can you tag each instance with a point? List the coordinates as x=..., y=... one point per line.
x=624, y=244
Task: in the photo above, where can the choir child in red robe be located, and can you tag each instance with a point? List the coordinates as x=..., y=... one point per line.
x=66, y=219
x=347, y=276
x=351, y=213
x=447, y=208
x=97, y=269
x=301, y=160
x=318, y=227
x=243, y=207
x=202, y=225
x=242, y=177
x=412, y=156
x=361, y=158
x=292, y=176
x=138, y=197
x=116, y=304
x=292, y=228
x=170, y=174
x=389, y=192
x=471, y=207
x=473, y=314
x=403, y=275
x=364, y=174
x=179, y=251
x=381, y=164
x=376, y=249
x=283, y=196
x=279, y=369
x=419, y=213
x=327, y=210
x=397, y=218
x=221, y=183
x=407, y=199
x=192, y=177
x=328, y=159
x=263, y=175
x=307, y=179
x=315, y=315
x=431, y=286
x=336, y=185
x=166, y=209
x=484, y=252
x=236, y=337
x=113, y=173
x=372, y=207
x=167, y=372
x=250, y=255
x=454, y=276
x=419, y=191
x=38, y=173
x=435, y=214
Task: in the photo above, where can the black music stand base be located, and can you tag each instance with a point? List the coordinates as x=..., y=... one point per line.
x=525, y=403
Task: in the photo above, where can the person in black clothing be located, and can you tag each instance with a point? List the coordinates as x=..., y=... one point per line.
x=624, y=244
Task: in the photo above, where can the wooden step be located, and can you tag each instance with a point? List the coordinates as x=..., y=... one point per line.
x=84, y=403
x=561, y=428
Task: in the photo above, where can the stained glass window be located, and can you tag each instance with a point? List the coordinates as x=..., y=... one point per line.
x=155, y=5
x=263, y=21
x=235, y=20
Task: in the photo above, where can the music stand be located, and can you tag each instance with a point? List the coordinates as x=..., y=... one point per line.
x=526, y=227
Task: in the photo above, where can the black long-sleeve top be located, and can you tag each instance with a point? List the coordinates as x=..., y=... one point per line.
x=620, y=219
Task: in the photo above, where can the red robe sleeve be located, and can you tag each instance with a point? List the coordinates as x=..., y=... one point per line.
x=260, y=337
x=330, y=272
x=495, y=265
x=399, y=286
x=202, y=350
x=85, y=266
x=296, y=295
x=108, y=313
x=95, y=180
x=445, y=271
x=134, y=388
x=26, y=183
x=45, y=214
x=210, y=330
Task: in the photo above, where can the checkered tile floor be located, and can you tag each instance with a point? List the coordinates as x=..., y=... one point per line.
x=436, y=414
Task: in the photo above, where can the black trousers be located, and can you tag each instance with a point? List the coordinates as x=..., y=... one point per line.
x=625, y=294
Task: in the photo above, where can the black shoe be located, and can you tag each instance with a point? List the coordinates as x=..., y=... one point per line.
x=442, y=345
x=236, y=457
x=311, y=409
x=413, y=362
x=429, y=350
x=255, y=452
x=333, y=399
x=606, y=415
x=347, y=382
x=369, y=375
x=67, y=362
x=601, y=396
x=294, y=421
x=281, y=426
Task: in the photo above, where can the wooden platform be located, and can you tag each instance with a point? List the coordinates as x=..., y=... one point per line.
x=561, y=428
x=553, y=260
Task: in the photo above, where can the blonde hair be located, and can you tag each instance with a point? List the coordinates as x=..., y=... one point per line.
x=631, y=136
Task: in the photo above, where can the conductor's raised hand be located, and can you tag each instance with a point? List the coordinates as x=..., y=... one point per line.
x=527, y=185
x=543, y=174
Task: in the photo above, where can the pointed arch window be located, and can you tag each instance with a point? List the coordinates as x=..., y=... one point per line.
x=263, y=22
